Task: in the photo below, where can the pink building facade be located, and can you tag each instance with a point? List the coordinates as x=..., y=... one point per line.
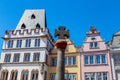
x=95, y=58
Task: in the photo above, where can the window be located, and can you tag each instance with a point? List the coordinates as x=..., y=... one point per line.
x=37, y=26
x=37, y=42
x=4, y=75
x=98, y=59
x=89, y=76
x=45, y=76
x=91, y=60
x=28, y=42
x=102, y=76
x=70, y=77
x=32, y=16
x=36, y=57
x=52, y=77
x=23, y=26
x=24, y=75
x=105, y=76
x=10, y=44
x=66, y=76
x=19, y=43
x=16, y=58
x=7, y=57
x=103, y=58
x=86, y=59
x=96, y=76
x=93, y=45
x=74, y=60
x=34, y=75
x=48, y=46
x=26, y=57
x=65, y=60
x=14, y=75
x=95, y=59
x=99, y=76
x=116, y=59
x=46, y=59
x=53, y=61
x=70, y=60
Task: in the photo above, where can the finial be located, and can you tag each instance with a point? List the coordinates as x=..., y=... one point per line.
x=92, y=29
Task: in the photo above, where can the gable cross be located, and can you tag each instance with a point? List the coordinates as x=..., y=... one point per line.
x=62, y=33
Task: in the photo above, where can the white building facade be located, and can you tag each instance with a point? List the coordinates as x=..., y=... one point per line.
x=25, y=50
x=115, y=56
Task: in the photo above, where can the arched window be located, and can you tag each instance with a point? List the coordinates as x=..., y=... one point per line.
x=24, y=75
x=32, y=16
x=4, y=75
x=34, y=75
x=23, y=26
x=14, y=74
x=38, y=26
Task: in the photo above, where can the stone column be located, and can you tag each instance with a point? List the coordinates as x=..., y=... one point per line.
x=61, y=45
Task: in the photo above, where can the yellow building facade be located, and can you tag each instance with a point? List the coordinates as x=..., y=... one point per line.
x=72, y=62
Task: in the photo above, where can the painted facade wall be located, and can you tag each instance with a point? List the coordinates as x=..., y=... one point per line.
x=115, y=55
x=27, y=35
x=92, y=63
x=71, y=51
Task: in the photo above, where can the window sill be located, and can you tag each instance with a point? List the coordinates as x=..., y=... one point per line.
x=21, y=63
x=26, y=61
x=67, y=66
x=95, y=48
x=96, y=64
x=16, y=62
x=6, y=62
x=71, y=66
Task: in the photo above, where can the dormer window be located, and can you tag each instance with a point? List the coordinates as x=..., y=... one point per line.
x=23, y=26
x=32, y=16
x=37, y=26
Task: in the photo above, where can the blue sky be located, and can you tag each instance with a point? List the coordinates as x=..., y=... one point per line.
x=76, y=15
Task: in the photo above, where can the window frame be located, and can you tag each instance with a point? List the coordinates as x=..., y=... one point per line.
x=4, y=74
x=19, y=44
x=28, y=43
x=35, y=73
x=36, y=57
x=93, y=45
x=10, y=44
x=18, y=57
x=6, y=56
x=28, y=57
x=95, y=75
x=24, y=73
x=14, y=75
x=95, y=59
x=67, y=61
x=37, y=42
x=53, y=76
